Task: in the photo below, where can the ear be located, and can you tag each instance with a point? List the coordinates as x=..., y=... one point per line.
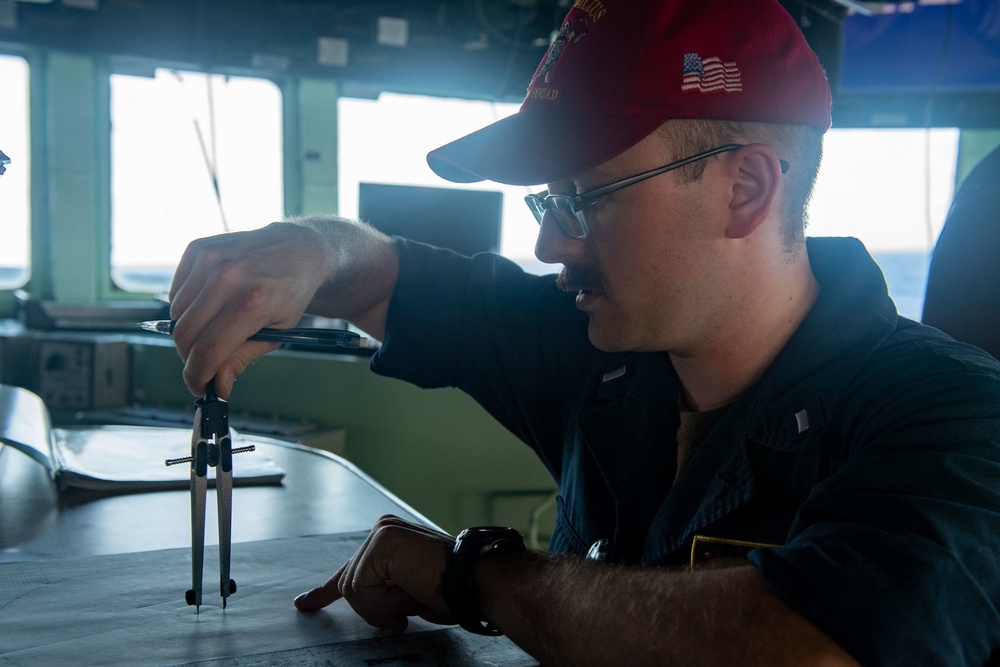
x=756, y=174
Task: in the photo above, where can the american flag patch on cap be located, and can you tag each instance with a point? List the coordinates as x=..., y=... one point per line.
x=710, y=74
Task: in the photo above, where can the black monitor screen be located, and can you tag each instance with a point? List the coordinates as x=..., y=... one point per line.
x=466, y=221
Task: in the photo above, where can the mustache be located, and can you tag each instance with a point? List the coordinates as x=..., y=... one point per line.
x=578, y=279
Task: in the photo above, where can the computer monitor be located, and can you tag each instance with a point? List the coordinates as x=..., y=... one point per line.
x=466, y=221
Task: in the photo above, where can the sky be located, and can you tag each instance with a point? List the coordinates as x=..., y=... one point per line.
x=14, y=143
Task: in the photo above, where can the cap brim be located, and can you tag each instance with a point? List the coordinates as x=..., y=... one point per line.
x=533, y=148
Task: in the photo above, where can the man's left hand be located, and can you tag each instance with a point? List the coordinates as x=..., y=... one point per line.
x=395, y=574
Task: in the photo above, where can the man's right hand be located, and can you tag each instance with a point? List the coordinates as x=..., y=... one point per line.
x=228, y=287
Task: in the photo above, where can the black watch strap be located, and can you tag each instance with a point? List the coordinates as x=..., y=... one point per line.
x=456, y=582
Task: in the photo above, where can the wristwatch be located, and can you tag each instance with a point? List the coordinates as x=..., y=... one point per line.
x=456, y=582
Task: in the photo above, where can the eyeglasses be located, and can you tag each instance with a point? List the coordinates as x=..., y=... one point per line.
x=568, y=210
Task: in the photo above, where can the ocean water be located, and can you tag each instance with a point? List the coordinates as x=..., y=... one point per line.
x=906, y=277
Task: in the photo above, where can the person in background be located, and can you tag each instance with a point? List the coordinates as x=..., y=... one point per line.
x=758, y=461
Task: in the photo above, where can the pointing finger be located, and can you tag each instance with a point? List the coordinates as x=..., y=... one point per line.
x=321, y=596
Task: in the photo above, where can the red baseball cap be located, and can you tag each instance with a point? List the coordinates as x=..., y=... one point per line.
x=619, y=69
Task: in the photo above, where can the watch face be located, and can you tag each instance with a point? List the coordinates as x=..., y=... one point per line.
x=488, y=539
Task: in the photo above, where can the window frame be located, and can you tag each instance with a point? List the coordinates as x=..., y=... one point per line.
x=148, y=69
x=70, y=171
x=70, y=147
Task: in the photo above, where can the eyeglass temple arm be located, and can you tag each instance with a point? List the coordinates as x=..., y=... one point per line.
x=608, y=189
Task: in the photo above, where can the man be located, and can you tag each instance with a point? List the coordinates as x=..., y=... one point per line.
x=774, y=468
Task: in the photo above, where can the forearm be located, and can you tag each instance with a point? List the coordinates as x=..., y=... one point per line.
x=568, y=611
x=363, y=266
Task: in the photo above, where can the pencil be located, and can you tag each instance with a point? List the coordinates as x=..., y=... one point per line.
x=305, y=337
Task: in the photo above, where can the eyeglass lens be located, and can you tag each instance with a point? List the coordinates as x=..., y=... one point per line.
x=568, y=219
x=561, y=208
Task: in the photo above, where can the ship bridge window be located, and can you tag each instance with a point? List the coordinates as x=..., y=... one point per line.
x=890, y=188
x=192, y=155
x=387, y=141
x=15, y=200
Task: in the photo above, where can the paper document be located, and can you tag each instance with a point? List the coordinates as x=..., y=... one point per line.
x=112, y=458
x=129, y=609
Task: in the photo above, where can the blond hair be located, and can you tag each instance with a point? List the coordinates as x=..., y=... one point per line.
x=801, y=146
